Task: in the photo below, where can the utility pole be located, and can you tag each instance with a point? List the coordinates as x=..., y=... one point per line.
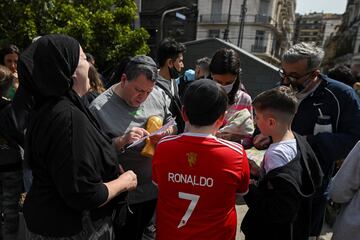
x=163, y=17
x=226, y=32
x=242, y=23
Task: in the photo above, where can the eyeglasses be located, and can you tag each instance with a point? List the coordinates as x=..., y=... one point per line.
x=291, y=78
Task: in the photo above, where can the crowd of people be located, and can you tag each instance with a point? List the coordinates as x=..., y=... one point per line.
x=153, y=154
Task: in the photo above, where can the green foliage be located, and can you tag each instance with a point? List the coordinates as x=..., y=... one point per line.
x=103, y=27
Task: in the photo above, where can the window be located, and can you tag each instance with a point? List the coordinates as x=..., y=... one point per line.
x=216, y=8
x=264, y=7
x=259, y=38
x=214, y=33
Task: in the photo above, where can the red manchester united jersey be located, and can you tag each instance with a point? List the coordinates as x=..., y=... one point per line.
x=198, y=177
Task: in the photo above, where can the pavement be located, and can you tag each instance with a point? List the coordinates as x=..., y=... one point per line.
x=241, y=209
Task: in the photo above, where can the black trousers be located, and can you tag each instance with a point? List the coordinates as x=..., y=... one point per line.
x=136, y=221
x=11, y=186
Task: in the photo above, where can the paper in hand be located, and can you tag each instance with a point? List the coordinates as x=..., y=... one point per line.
x=160, y=131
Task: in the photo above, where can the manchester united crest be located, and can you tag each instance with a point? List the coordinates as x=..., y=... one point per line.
x=191, y=158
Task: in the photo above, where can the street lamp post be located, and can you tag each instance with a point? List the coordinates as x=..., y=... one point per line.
x=242, y=23
x=163, y=17
x=226, y=32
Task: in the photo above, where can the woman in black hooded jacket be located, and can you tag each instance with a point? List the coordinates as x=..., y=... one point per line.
x=76, y=177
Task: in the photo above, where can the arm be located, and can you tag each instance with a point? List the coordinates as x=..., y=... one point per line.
x=78, y=159
x=261, y=141
x=346, y=182
x=131, y=136
x=125, y=182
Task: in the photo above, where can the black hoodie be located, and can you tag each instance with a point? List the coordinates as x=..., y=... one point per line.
x=69, y=155
x=280, y=207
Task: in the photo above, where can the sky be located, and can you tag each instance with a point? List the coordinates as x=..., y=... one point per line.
x=326, y=6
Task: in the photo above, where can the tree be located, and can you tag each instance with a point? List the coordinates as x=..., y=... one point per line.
x=103, y=27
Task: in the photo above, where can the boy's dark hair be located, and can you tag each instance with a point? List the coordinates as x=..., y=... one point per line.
x=11, y=48
x=169, y=48
x=342, y=74
x=226, y=61
x=281, y=101
x=204, y=102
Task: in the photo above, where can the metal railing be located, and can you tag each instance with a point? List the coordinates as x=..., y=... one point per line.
x=222, y=19
x=218, y=18
x=258, y=48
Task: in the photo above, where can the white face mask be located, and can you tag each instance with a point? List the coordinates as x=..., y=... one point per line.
x=228, y=87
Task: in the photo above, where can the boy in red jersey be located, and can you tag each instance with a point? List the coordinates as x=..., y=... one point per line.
x=198, y=175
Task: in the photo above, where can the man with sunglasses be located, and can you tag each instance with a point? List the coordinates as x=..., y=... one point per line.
x=319, y=96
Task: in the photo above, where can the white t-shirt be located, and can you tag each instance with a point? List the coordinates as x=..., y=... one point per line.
x=279, y=154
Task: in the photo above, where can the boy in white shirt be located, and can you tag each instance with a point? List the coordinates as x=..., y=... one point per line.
x=280, y=204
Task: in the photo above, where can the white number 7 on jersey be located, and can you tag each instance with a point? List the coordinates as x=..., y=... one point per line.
x=194, y=200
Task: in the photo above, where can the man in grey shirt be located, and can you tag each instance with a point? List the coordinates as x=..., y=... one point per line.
x=123, y=111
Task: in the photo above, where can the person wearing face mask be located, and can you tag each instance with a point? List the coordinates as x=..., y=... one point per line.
x=170, y=61
x=320, y=98
x=238, y=125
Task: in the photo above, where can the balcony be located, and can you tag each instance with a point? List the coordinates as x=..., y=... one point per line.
x=262, y=19
x=218, y=18
x=223, y=18
x=258, y=48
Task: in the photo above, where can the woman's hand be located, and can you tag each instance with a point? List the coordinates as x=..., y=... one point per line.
x=129, y=180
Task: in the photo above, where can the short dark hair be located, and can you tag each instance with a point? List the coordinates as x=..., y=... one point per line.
x=225, y=61
x=204, y=102
x=204, y=64
x=8, y=49
x=169, y=48
x=141, y=65
x=342, y=74
x=281, y=101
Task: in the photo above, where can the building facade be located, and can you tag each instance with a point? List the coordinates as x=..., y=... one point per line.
x=309, y=28
x=265, y=30
x=343, y=48
x=332, y=24
x=316, y=27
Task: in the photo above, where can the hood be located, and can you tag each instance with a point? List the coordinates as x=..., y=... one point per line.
x=46, y=67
